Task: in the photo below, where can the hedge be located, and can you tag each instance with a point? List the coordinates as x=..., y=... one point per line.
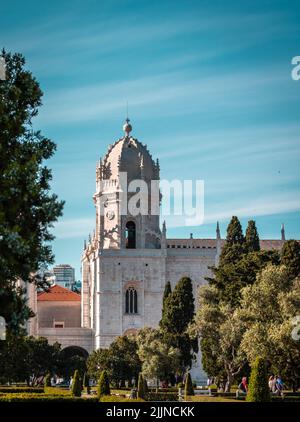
x=162, y=396
x=15, y=390
x=118, y=399
x=40, y=397
x=56, y=391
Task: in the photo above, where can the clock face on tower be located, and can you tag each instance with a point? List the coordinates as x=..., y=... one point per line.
x=110, y=214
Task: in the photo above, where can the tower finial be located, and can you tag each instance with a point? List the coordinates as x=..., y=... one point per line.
x=127, y=127
x=282, y=232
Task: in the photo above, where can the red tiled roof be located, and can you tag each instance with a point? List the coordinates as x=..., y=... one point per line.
x=59, y=294
x=269, y=244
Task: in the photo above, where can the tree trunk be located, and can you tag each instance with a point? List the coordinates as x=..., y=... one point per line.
x=228, y=382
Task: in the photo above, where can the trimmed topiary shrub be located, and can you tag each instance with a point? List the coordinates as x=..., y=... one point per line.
x=76, y=386
x=258, y=384
x=47, y=381
x=141, y=385
x=188, y=388
x=103, y=385
x=86, y=383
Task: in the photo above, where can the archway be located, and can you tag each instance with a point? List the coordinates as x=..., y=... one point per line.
x=71, y=351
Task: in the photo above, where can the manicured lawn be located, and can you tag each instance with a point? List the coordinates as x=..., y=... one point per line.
x=203, y=399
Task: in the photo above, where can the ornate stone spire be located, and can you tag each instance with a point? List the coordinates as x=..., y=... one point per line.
x=282, y=232
x=218, y=231
x=164, y=229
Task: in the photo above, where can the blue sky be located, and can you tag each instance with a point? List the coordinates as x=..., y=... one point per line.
x=209, y=89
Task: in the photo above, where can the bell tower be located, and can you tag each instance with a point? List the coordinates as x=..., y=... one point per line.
x=127, y=197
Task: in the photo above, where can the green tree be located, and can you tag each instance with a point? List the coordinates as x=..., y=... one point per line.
x=239, y=262
x=258, y=384
x=221, y=330
x=98, y=361
x=188, y=387
x=120, y=360
x=140, y=390
x=290, y=257
x=268, y=309
x=69, y=361
x=103, y=386
x=235, y=242
x=124, y=361
x=47, y=381
x=159, y=360
x=252, y=238
x=178, y=314
x=27, y=206
x=27, y=359
x=76, y=385
x=167, y=293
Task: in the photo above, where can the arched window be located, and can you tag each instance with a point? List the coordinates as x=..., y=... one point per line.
x=131, y=305
x=130, y=235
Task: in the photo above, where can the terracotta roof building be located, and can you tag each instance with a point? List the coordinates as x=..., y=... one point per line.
x=58, y=308
x=58, y=293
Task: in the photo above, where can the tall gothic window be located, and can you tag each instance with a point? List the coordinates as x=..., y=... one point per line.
x=131, y=305
x=130, y=235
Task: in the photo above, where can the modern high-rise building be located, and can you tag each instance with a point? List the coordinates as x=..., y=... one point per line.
x=64, y=275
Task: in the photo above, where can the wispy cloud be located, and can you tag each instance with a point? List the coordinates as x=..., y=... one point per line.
x=269, y=205
x=74, y=228
x=201, y=94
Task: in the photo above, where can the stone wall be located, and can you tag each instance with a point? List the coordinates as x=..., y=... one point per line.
x=67, y=312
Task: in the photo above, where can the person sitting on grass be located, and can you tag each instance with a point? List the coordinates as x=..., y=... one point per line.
x=279, y=386
x=242, y=388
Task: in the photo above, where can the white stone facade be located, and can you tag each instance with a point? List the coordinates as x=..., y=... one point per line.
x=109, y=268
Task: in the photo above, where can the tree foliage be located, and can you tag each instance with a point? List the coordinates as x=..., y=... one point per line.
x=76, y=385
x=159, y=360
x=258, y=384
x=219, y=319
x=268, y=308
x=103, y=385
x=177, y=315
x=27, y=207
x=252, y=238
x=221, y=332
x=167, y=293
x=235, y=242
x=120, y=360
x=290, y=257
